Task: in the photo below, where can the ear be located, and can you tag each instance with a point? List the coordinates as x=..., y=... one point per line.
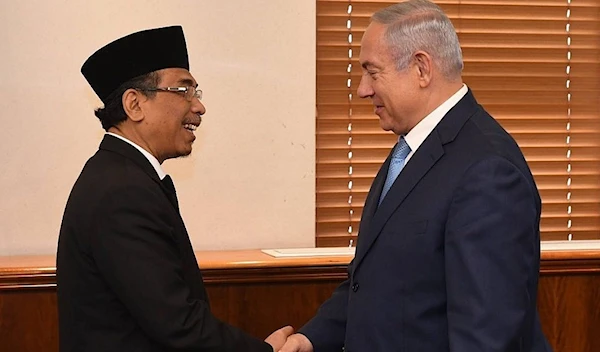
x=131, y=100
x=424, y=68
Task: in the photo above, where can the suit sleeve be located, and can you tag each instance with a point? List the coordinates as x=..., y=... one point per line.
x=136, y=253
x=327, y=329
x=492, y=259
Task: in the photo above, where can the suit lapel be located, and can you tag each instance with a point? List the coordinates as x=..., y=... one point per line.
x=116, y=145
x=372, y=200
x=420, y=163
x=374, y=218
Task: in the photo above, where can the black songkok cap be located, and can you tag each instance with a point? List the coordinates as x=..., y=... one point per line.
x=135, y=55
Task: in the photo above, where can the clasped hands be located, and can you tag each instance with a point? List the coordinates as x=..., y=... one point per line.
x=284, y=340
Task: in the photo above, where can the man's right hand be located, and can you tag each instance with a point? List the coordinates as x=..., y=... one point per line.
x=279, y=337
x=297, y=343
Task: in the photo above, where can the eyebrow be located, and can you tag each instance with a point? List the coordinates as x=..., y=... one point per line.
x=366, y=64
x=187, y=82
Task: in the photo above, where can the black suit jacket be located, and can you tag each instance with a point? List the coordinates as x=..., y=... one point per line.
x=128, y=279
x=449, y=261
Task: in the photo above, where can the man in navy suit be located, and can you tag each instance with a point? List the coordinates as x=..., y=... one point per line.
x=448, y=248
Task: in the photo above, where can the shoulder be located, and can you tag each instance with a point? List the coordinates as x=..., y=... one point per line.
x=482, y=138
x=109, y=175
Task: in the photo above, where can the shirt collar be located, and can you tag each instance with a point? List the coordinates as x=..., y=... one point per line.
x=153, y=161
x=417, y=135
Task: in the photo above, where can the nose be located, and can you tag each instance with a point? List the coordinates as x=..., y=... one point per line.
x=198, y=107
x=365, y=89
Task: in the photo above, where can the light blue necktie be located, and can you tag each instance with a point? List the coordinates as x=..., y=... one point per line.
x=396, y=164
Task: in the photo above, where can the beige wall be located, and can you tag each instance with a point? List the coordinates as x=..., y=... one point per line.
x=250, y=180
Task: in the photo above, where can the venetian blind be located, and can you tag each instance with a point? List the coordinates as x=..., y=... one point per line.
x=533, y=64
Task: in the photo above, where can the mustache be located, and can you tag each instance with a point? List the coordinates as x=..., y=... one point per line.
x=194, y=121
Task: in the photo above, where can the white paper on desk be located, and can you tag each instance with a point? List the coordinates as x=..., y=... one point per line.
x=578, y=245
x=310, y=252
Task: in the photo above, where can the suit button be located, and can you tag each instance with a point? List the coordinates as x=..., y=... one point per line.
x=355, y=287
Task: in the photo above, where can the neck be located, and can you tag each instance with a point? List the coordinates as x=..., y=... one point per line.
x=433, y=98
x=132, y=135
x=440, y=94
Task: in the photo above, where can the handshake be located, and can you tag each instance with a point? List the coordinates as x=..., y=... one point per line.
x=284, y=340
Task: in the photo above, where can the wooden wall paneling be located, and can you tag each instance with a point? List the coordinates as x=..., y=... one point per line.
x=569, y=307
x=262, y=299
x=260, y=309
x=28, y=320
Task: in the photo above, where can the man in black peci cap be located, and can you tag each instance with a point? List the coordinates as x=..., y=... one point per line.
x=127, y=276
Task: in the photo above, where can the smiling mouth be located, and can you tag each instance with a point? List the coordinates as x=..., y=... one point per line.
x=190, y=127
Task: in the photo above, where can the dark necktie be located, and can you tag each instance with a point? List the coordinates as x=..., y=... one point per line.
x=168, y=183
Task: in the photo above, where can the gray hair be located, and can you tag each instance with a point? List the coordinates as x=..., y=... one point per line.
x=421, y=25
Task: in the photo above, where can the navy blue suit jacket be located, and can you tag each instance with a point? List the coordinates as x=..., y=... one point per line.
x=450, y=259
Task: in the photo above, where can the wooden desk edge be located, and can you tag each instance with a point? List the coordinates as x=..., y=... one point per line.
x=254, y=265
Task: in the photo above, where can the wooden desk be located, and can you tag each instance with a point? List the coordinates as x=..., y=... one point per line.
x=260, y=293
